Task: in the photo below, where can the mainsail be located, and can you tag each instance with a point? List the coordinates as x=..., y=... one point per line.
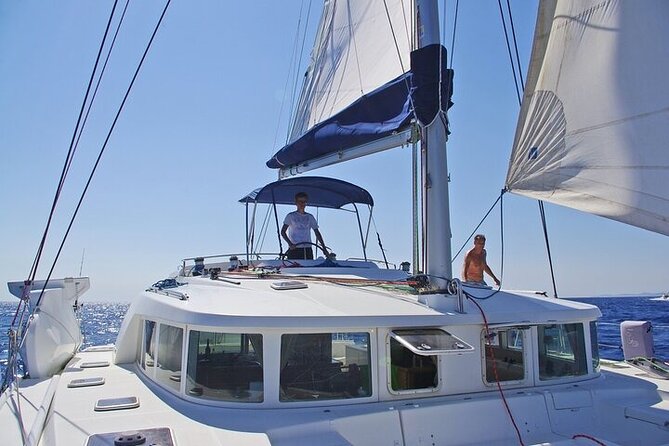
x=363, y=82
x=593, y=132
x=350, y=62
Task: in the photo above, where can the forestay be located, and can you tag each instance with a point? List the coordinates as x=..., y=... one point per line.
x=594, y=125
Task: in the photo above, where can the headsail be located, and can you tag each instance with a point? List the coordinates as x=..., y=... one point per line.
x=594, y=123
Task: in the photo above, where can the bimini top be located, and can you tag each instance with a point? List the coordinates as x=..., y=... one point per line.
x=323, y=192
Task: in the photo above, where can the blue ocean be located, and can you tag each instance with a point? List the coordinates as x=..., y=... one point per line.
x=100, y=322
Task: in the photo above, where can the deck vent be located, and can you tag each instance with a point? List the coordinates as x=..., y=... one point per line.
x=122, y=403
x=289, y=285
x=155, y=436
x=94, y=364
x=87, y=382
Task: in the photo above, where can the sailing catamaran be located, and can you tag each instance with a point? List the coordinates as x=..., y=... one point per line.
x=250, y=348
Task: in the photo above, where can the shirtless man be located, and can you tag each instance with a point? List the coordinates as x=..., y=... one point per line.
x=475, y=263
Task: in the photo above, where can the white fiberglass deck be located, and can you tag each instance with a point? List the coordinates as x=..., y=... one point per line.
x=612, y=406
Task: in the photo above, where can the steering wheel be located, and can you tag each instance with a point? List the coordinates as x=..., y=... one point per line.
x=325, y=251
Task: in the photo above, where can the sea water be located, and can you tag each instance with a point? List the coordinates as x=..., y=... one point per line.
x=100, y=323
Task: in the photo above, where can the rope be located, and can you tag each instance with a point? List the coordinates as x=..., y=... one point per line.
x=600, y=443
x=494, y=368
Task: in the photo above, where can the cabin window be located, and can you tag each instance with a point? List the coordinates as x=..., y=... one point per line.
x=149, y=346
x=561, y=351
x=504, y=354
x=168, y=369
x=594, y=346
x=410, y=371
x=225, y=366
x=325, y=366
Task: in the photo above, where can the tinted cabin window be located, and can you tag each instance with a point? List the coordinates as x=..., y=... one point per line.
x=225, y=366
x=506, y=347
x=168, y=370
x=149, y=346
x=325, y=366
x=561, y=351
x=594, y=345
x=409, y=371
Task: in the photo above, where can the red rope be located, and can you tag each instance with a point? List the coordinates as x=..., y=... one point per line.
x=600, y=443
x=494, y=368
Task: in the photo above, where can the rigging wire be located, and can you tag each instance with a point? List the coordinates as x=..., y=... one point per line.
x=508, y=47
x=479, y=225
x=519, y=78
x=23, y=307
x=515, y=44
x=297, y=72
x=542, y=212
x=70, y=153
x=104, y=146
x=99, y=81
x=286, y=86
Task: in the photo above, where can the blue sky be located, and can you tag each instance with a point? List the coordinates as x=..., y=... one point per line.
x=204, y=117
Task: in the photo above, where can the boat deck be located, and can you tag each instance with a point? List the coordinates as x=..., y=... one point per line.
x=620, y=408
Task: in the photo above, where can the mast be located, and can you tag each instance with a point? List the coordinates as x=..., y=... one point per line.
x=435, y=168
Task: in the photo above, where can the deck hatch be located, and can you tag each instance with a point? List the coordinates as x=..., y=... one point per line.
x=94, y=364
x=86, y=382
x=121, y=403
x=430, y=341
x=288, y=285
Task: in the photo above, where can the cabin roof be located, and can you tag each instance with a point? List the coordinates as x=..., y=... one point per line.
x=254, y=303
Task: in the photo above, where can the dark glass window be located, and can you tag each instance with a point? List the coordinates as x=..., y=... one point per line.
x=561, y=351
x=225, y=366
x=505, y=345
x=325, y=366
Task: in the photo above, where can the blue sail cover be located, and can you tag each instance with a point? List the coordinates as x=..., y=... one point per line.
x=388, y=109
x=323, y=192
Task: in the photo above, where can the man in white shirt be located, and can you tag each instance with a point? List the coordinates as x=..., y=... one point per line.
x=297, y=228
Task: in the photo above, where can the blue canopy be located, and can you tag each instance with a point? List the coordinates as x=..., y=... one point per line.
x=323, y=192
x=388, y=109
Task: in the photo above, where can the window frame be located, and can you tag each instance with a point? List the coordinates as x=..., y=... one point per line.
x=528, y=335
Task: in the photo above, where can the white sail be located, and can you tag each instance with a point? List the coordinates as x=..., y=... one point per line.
x=352, y=56
x=594, y=124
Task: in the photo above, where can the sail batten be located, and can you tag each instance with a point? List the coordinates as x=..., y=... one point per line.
x=594, y=123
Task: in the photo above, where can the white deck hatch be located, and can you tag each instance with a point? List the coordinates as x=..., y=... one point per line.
x=430, y=341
